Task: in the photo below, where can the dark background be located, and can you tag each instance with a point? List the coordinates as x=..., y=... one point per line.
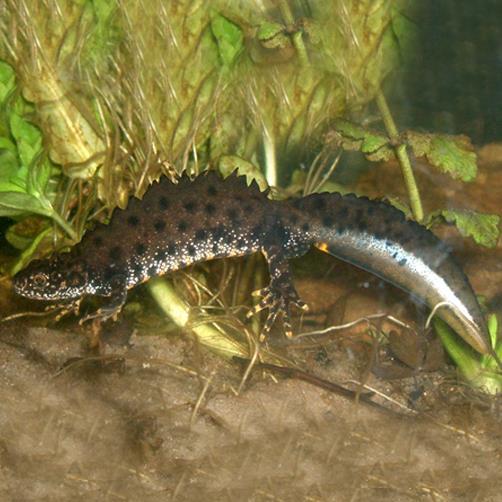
x=453, y=83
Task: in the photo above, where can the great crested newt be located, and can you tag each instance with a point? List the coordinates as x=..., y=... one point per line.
x=177, y=224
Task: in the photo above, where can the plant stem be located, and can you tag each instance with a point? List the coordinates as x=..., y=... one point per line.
x=402, y=157
x=297, y=37
x=170, y=302
x=477, y=371
x=167, y=298
x=270, y=158
x=62, y=223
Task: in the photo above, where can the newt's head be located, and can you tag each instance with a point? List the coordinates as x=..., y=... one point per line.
x=57, y=278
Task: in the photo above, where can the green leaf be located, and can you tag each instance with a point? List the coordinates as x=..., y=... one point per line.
x=272, y=36
x=103, y=9
x=28, y=138
x=10, y=177
x=405, y=30
x=18, y=171
x=452, y=155
x=9, y=186
x=483, y=228
x=7, y=144
x=25, y=257
x=419, y=142
x=268, y=30
x=104, y=33
x=374, y=145
x=229, y=39
x=349, y=130
x=14, y=204
x=38, y=177
x=489, y=362
x=463, y=356
x=227, y=164
x=474, y=368
x=377, y=148
x=493, y=330
x=7, y=80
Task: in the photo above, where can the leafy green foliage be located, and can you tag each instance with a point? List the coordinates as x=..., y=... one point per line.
x=271, y=35
x=350, y=136
x=27, y=254
x=24, y=169
x=7, y=80
x=28, y=138
x=483, y=228
x=228, y=37
x=227, y=164
x=104, y=34
x=117, y=86
x=481, y=371
x=493, y=325
x=452, y=155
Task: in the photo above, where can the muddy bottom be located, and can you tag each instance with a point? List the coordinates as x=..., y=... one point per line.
x=159, y=418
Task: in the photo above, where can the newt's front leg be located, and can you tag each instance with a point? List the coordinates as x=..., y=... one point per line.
x=280, y=294
x=117, y=299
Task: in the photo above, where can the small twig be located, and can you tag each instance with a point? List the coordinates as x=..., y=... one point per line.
x=383, y=396
x=250, y=366
x=350, y=324
x=205, y=388
x=435, y=309
x=319, y=382
x=329, y=172
x=312, y=175
x=47, y=312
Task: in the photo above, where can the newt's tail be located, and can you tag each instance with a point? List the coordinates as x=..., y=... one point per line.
x=378, y=238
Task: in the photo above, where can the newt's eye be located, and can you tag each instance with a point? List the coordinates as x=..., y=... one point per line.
x=40, y=280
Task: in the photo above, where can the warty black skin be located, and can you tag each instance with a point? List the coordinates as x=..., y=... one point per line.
x=178, y=224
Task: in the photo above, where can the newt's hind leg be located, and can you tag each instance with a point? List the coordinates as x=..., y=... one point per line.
x=279, y=295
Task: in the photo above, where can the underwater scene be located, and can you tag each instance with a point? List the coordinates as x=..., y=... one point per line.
x=250, y=250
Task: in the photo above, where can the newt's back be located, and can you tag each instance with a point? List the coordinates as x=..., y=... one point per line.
x=171, y=227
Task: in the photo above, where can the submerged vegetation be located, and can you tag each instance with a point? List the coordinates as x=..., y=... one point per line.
x=99, y=98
